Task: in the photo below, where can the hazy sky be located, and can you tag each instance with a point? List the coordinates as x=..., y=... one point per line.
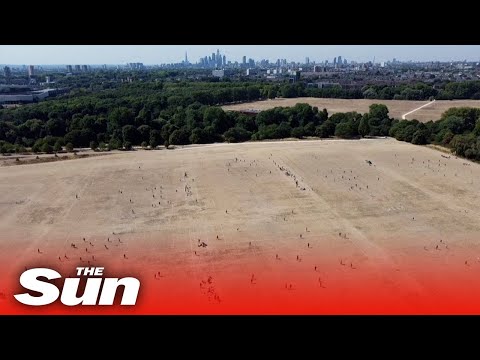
x=157, y=54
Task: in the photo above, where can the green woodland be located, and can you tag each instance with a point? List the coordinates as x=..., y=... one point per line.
x=161, y=112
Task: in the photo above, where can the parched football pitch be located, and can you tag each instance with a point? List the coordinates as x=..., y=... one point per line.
x=332, y=212
x=396, y=108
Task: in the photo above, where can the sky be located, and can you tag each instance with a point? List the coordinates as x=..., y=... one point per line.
x=158, y=54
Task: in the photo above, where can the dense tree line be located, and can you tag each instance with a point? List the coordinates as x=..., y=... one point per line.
x=419, y=91
x=183, y=112
x=133, y=113
x=458, y=129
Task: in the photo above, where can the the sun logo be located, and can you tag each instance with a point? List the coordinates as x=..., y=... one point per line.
x=50, y=293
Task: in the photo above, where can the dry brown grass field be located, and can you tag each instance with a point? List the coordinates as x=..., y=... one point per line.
x=250, y=202
x=397, y=107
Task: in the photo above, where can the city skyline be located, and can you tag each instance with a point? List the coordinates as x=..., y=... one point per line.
x=167, y=54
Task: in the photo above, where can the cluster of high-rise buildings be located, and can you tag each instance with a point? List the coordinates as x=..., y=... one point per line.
x=78, y=68
x=135, y=66
x=339, y=62
x=219, y=61
x=214, y=61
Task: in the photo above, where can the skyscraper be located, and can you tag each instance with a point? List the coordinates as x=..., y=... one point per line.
x=307, y=60
x=8, y=74
x=244, y=62
x=186, y=58
x=31, y=70
x=218, y=58
x=224, y=60
x=69, y=68
x=339, y=61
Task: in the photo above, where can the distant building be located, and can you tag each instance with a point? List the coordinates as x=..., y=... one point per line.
x=218, y=73
x=295, y=76
x=29, y=96
x=31, y=70
x=224, y=60
x=218, y=59
x=339, y=61
x=307, y=60
x=77, y=68
x=84, y=68
x=69, y=69
x=244, y=62
x=8, y=74
x=136, y=66
x=318, y=68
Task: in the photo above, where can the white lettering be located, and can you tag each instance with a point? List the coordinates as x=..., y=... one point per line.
x=29, y=280
x=130, y=292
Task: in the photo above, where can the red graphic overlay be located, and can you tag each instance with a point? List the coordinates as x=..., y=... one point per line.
x=434, y=281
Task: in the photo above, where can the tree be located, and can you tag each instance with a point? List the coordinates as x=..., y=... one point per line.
x=379, y=111
x=47, y=148
x=288, y=91
x=58, y=146
x=55, y=127
x=130, y=134
x=69, y=147
x=309, y=129
x=120, y=117
x=6, y=147
x=370, y=94
x=127, y=145
x=93, y=145
x=419, y=137
x=179, y=137
x=37, y=147
x=325, y=130
x=284, y=130
x=345, y=130
x=155, y=139
x=407, y=133
x=272, y=93
x=237, y=134
x=363, y=127
x=215, y=116
x=454, y=123
x=199, y=136
x=144, y=132
x=298, y=132
x=144, y=144
x=74, y=137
